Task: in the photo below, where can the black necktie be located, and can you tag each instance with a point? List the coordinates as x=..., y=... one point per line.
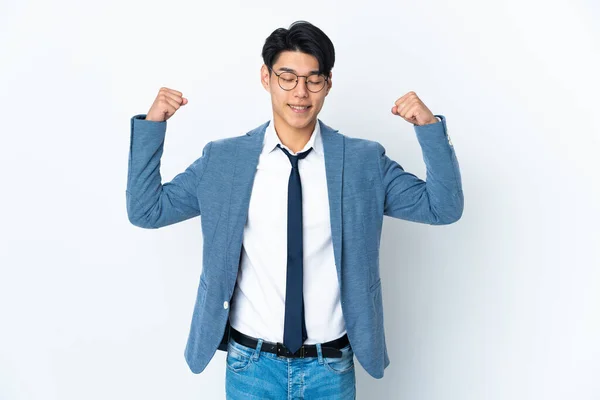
x=294, y=329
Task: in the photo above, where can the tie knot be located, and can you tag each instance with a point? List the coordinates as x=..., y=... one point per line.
x=294, y=159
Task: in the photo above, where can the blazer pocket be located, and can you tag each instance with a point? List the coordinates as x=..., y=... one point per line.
x=377, y=302
x=375, y=286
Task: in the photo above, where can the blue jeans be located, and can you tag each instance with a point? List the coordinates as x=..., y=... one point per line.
x=252, y=374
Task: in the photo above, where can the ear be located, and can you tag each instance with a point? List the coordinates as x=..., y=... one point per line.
x=264, y=77
x=329, y=83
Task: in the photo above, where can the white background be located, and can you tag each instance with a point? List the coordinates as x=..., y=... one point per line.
x=504, y=304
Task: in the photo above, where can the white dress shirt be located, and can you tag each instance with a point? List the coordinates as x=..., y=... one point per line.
x=258, y=303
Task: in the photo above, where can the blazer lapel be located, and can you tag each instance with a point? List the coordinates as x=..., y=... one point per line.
x=333, y=149
x=247, y=153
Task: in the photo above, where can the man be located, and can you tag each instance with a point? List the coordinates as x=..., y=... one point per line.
x=291, y=216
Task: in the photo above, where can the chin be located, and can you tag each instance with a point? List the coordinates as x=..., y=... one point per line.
x=300, y=120
x=299, y=124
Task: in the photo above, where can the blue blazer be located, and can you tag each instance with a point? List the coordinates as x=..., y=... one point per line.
x=363, y=186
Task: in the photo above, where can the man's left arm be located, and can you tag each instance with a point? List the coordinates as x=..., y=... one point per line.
x=439, y=199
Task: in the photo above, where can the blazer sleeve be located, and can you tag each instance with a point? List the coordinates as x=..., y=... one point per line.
x=151, y=204
x=439, y=199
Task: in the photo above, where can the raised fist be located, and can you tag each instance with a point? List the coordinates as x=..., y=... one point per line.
x=166, y=103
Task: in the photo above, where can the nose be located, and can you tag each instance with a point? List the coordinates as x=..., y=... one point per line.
x=301, y=90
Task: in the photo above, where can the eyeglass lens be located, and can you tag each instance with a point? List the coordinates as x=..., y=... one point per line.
x=289, y=80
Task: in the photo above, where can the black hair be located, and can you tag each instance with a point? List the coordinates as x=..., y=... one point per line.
x=301, y=36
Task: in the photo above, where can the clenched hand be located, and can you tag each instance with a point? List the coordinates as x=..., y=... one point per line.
x=167, y=102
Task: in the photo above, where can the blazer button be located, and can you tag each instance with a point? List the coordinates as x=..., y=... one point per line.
x=225, y=305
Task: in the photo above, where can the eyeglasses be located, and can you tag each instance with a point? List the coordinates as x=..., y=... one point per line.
x=289, y=80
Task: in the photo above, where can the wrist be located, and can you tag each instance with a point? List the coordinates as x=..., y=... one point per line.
x=432, y=121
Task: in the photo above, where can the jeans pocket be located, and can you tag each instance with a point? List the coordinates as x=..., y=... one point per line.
x=341, y=365
x=238, y=359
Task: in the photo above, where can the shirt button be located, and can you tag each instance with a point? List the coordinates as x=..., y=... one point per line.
x=225, y=305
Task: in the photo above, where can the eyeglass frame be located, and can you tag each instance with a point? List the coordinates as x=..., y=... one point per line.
x=297, y=80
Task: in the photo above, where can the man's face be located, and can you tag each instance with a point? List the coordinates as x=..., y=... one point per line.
x=282, y=101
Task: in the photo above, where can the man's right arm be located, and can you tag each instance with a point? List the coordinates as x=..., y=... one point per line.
x=151, y=204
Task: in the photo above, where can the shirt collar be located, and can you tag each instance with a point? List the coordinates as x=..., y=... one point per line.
x=271, y=140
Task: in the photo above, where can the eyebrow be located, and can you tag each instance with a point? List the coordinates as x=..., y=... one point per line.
x=286, y=69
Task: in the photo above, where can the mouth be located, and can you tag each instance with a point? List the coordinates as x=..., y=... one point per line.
x=299, y=109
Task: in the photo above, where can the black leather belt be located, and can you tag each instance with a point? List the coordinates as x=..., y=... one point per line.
x=328, y=349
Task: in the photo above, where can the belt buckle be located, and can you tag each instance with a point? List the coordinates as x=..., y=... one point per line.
x=283, y=351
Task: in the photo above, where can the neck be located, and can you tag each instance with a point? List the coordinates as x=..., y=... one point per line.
x=293, y=138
